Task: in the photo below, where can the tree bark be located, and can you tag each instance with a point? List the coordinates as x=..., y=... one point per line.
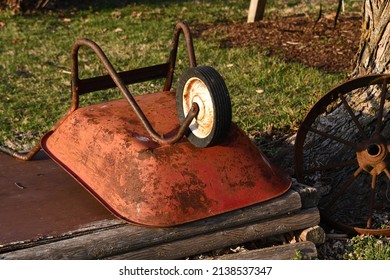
x=374, y=52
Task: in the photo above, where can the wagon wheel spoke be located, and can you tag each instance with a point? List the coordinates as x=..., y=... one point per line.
x=381, y=107
x=354, y=118
x=343, y=188
x=372, y=198
x=330, y=166
x=387, y=173
x=333, y=137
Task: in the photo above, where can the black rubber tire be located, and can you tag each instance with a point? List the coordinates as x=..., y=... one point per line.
x=220, y=99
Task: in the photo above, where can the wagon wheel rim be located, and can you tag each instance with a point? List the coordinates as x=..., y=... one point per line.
x=366, y=160
x=195, y=91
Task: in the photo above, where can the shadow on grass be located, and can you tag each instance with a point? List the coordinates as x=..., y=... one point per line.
x=57, y=5
x=104, y=4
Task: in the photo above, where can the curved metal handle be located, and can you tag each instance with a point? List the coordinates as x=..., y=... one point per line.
x=123, y=88
x=181, y=27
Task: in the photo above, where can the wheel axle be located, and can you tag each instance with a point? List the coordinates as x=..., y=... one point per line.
x=372, y=154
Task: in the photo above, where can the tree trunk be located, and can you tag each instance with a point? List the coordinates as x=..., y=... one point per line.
x=342, y=144
x=24, y=5
x=374, y=52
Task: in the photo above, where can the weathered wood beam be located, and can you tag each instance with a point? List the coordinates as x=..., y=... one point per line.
x=310, y=196
x=225, y=238
x=124, y=238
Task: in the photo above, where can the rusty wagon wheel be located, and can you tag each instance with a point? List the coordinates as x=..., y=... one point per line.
x=204, y=86
x=347, y=157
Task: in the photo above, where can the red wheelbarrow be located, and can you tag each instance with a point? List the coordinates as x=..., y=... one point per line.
x=163, y=158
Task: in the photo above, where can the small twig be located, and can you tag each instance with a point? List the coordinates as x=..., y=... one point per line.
x=319, y=15
x=340, y=236
x=41, y=4
x=338, y=12
x=20, y=186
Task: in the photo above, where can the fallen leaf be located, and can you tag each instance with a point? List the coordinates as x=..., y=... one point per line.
x=259, y=90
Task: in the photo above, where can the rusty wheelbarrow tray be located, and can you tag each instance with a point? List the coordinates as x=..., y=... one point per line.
x=202, y=165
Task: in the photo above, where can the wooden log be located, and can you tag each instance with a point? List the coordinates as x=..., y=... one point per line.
x=314, y=234
x=302, y=250
x=229, y=237
x=256, y=10
x=124, y=238
x=310, y=196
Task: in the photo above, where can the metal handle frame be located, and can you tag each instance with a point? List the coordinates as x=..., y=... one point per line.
x=144, y=74
x=120, y=80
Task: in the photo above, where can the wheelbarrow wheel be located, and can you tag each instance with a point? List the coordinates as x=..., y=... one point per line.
x=204, y=86
x=342, y=147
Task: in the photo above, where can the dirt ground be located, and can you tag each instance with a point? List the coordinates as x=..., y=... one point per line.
x=315, y=43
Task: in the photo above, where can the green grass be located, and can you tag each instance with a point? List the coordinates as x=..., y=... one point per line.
x=367, y=247
x=35, y=62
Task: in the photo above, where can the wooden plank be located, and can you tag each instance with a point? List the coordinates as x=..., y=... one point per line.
x=86, y=229
x=39, y=199
x=225, y=238
x=121, y=239
x=306, y=249
x=256, y=10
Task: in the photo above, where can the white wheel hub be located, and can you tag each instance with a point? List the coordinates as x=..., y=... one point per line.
x=195, y=91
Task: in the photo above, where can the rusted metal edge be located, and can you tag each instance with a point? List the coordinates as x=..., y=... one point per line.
x=354, y=230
